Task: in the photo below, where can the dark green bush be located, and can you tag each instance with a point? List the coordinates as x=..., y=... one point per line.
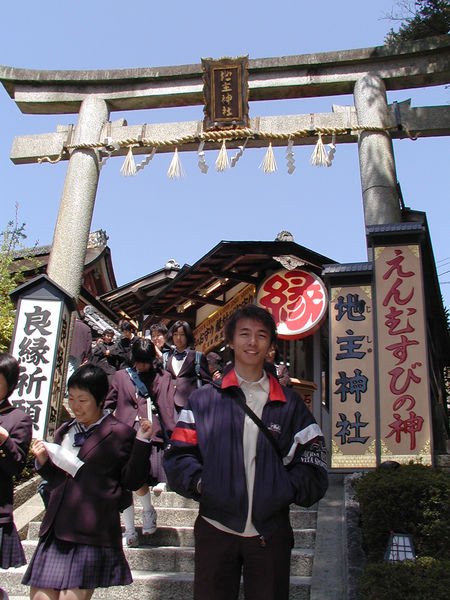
x=409, y=499
x=423, y=579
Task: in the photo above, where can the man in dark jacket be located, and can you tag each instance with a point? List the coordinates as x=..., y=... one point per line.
x=104, y=354
x=122, y=348
x=80, y=346
x=245, y=473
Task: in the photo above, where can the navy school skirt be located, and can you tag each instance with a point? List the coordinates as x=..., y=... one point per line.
x=61, y=565
x=11, y=551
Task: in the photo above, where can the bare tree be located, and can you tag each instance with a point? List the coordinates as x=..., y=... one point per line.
x=418, y=19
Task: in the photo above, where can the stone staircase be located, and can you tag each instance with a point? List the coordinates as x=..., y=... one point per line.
x=163, y=564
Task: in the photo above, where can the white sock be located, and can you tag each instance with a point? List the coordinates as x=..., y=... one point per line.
x=128, y=519
x=146, y=501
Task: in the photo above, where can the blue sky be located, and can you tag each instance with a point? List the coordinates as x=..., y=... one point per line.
x=151, y=218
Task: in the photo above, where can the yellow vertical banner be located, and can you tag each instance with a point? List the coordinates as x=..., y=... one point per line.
x=352, y=380
x=405, y=415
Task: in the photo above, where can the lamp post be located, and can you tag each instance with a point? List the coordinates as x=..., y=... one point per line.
x=400, y=547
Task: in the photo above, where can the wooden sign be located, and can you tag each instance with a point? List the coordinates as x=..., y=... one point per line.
x=40, y=343
x=297, y=300
x=210, y=332
x=225, y=91
x=403, y=370
x=352, y=380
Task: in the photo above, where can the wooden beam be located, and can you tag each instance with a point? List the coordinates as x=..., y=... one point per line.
x=241, y=277
x=206, y=300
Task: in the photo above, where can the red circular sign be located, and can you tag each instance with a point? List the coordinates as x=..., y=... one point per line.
x=297, y=300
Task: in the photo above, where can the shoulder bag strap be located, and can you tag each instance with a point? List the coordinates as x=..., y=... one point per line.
x=144, y=391
x=138, y=382
x=246, y=408
x=198, y=356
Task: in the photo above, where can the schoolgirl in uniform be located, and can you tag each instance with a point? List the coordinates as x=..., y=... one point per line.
x=127, y=398
x=15, y=438
x=80, y=545
x=188, y=368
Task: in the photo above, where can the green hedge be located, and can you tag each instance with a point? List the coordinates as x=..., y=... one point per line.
x=423, y=579
x=410, y=499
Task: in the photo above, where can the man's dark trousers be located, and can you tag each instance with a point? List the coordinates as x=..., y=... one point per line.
x=221, y=557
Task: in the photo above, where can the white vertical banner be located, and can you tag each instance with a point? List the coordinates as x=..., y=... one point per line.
x=35, y=345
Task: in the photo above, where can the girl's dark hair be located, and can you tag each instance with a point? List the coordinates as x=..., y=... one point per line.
x=187, y=330
x=251, y=311
x=92, y=379
x=9, y=368
x=143, y=350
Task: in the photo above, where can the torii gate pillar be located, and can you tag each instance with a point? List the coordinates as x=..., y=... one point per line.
x=72, y=228
x=376, y=155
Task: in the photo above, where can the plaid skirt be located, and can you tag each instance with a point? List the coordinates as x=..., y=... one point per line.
x=11, y=551
x=61, y=565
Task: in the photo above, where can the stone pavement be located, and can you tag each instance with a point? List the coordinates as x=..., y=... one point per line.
x=329, y=575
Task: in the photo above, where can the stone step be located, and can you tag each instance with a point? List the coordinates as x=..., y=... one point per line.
x=155, y=586
x=164, y=536
x=185, y=517
x=163, y=564
x=174, y=500
x=184, y=536
x=173, y=523
x=170, y=500
x=181, y=559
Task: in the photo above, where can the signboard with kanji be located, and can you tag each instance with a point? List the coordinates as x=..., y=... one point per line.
x=405, y=417
x=40, y=340
x=352, y=378
x=210, y=331
x=297, y=300
x=226, y=93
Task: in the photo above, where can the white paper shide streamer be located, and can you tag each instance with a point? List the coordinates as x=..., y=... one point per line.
x=239, y=153
x=322, y=155
x=331, y=150
x=202, y=165
x=290, y=158
x=146, y=160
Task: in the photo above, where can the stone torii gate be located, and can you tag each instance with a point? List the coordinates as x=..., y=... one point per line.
x=372, y=123
x=43, y=315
